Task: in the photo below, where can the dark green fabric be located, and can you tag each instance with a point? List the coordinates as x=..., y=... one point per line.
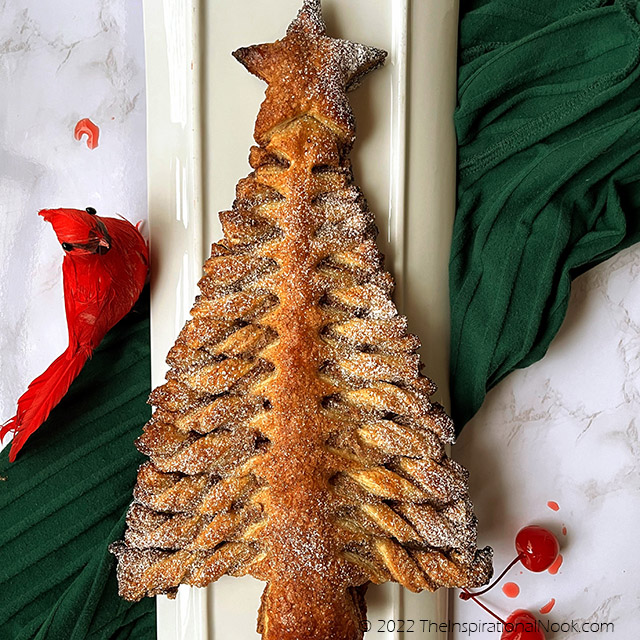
x=548, y=130
x=64, y=498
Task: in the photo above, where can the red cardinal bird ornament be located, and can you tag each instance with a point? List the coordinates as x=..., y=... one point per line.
x=103, y=272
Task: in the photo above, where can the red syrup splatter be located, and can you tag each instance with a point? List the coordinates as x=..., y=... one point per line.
x=554, y=506
x=511, y=589
x=557, y=563
x=564, y=530
x=88, y=128
x=547, y=607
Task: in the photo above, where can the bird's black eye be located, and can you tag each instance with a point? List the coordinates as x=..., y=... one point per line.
x=91, y=211
x=67, y=246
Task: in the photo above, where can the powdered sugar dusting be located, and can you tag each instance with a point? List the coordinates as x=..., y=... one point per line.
x=309, y=18
x=295, y=438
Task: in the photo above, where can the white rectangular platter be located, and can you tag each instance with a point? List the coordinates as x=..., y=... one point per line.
x=201, y=108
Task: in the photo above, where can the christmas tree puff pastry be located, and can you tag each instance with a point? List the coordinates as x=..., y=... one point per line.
x=295, y=439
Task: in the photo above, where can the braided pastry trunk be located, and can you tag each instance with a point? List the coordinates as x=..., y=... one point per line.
x=295, y=439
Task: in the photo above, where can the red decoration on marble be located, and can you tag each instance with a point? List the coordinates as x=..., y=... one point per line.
x=88, y=128
x=554, y=506
x=557, y=563
x=547, y=607
x=522, y=625
x=511, y=590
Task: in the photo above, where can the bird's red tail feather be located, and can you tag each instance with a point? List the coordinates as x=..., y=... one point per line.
x=42, y=396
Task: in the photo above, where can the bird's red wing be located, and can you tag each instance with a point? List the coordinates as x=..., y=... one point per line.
x=88, y=293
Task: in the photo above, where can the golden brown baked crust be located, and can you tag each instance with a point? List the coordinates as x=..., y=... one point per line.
x=295, y=439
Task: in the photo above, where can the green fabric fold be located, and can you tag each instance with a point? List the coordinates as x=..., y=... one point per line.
x=548, y=130
x=63, y=501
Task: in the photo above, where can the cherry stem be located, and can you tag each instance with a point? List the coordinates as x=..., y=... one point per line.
x=465, y=595
x=473, y=597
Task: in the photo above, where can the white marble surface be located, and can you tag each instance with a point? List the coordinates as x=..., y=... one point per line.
x=564, y=429
x=60, y=62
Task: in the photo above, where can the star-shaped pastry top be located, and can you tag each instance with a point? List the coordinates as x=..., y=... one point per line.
x=308, y=73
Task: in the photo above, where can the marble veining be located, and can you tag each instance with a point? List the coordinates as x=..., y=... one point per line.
x=566, y=429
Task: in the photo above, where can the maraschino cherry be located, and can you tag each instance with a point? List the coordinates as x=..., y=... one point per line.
x=522, y=625
x=537, y=549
